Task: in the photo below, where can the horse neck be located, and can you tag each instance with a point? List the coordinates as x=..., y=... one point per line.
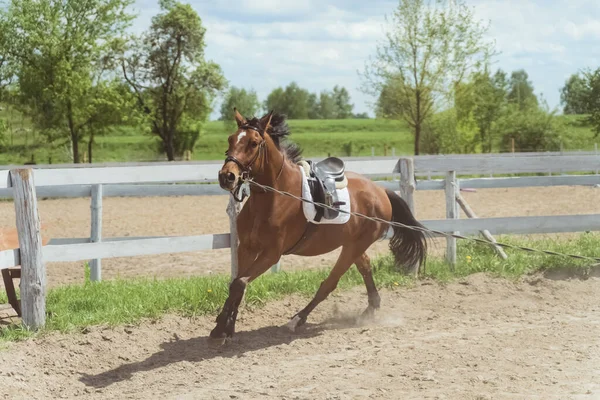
x=275, y=171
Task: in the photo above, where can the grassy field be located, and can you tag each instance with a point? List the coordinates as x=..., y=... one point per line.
x=317, y=137
x=75, y=307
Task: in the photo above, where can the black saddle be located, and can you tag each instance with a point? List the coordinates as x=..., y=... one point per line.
x=323, y=176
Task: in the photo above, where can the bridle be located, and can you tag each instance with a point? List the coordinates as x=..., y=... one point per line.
x=245, y=169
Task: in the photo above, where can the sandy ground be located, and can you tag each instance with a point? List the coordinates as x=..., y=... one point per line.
x=203, y=215
x=481, y=338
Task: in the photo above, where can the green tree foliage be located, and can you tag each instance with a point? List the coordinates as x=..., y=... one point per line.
x=429, y=46
x=173, y=83
x=61, y=50
x=481, y=100
x=6, y=67
x=533, y=129
x=298, y=103
x=593, y=99
x=521, y=90
x=341, y=99
x=246, y=101
x=291, y=101
x=574, y=96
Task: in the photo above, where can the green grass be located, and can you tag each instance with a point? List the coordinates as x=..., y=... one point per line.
x=318, y=138
x=74, y=307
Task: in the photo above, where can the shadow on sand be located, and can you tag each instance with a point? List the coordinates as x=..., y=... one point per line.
x=203, y=348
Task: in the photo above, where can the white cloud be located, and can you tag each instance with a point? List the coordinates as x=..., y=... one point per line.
x=269, y=43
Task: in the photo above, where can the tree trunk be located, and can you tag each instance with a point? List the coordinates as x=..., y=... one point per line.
x=91, y=144
x=418, y=122
x=75, y=143
x=417, y=137
x=170, y=147
x=74, y=138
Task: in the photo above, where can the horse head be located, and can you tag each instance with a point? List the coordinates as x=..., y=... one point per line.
x=246, y=146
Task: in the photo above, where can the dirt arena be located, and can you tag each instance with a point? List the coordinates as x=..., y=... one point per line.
x=203, y=215
x=481, y=338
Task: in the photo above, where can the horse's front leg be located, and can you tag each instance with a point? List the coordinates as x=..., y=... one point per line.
x=247, y=272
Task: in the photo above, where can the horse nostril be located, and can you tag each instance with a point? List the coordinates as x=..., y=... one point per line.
x=231, y=177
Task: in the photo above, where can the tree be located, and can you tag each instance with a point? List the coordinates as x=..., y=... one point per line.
x=6, y=67
x=575, y=94
x=593, y=99
x=115, y=105
x=173, y=83
x=313, y=106
x=291, y=101
x=327, y=106
x=429, y=46
x=341, y=98
x=521, y=90
x=61, y=49
x=532, y=129
x=246, y=103
x=482, y=100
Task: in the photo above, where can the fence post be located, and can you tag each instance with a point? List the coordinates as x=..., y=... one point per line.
x=277, y=267
x=233, y=209
x=393, y=152
x=451, y=192
x=407, y=182
x=372, y=151
x=33, y=271
x=96, y=231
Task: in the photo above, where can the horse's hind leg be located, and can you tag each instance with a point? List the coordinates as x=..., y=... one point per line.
x=347, y=257
x=363, y=263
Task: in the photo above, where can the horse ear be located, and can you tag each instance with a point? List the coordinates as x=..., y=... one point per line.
x=239, y=118
x=265, y=121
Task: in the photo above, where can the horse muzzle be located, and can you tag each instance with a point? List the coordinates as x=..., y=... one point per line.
x=228, y=180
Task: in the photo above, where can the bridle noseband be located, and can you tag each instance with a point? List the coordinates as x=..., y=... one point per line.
x=245, y=169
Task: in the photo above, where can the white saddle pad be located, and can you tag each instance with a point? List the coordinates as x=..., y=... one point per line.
x=310, y=211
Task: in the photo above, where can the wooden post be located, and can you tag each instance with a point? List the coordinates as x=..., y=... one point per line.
x=393, y=152
x=96, y=231
x=407, y=182
x=33, y=271
x=451, y=190
x=372, y=151
x=512, y=145
x=471, y=214
x=233, y=209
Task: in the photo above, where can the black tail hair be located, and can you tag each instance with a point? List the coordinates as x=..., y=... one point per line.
x=408, y=246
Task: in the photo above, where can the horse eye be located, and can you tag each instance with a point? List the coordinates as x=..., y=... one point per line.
x=254, y=144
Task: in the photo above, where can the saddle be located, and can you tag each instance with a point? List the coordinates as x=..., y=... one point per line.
x=324, y=178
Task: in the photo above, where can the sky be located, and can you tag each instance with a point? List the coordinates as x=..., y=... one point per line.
x=263, y=44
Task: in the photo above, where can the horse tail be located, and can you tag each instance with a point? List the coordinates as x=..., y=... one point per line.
x=409, y=246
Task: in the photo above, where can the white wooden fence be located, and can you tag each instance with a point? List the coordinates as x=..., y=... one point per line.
x=452, y=166
x=185, y=178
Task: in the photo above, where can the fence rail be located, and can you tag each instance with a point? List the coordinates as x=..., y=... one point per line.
x=193, y=178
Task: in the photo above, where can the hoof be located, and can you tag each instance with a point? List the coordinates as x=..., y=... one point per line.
x=219, y=334
x=295, y=322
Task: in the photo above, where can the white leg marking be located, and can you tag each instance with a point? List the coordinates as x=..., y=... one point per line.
x=241, y=135
x=293, y=323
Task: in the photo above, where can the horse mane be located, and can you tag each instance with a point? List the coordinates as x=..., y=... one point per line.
x=279, y=132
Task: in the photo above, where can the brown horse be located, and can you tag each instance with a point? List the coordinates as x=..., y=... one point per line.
x=271, y=225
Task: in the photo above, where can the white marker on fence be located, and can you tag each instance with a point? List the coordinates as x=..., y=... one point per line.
x=33, y=271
